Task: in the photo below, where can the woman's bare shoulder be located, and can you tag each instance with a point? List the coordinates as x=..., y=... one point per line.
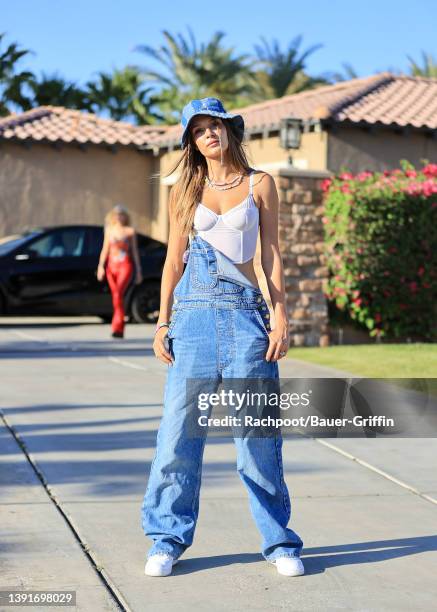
x=262, y=184
x=260, y=175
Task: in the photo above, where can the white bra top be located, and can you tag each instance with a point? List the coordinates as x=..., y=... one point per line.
x=235, y=232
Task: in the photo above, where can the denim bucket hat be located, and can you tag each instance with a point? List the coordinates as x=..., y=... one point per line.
x=208, y=106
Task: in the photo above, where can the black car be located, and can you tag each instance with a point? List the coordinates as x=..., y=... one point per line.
x=52, y=270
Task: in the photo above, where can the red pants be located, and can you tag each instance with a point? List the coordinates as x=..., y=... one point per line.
x=118, y=274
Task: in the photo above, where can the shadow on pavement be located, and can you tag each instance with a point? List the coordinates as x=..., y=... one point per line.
x=327, y=556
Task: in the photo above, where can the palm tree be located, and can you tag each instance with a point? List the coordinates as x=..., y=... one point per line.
x=194, y=71
x=123, y=96
x=55, y=90
x=429, y=68
x=283, y=73
x=12, y=82
x=349, y=73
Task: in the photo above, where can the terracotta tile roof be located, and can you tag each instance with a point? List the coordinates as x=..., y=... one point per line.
x=401, y=101
x=383, y=98
x=58, y=124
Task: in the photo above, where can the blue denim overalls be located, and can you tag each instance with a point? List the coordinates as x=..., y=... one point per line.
x=218, y=330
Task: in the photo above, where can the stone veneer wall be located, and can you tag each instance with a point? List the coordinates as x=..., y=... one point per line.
x=302, y=248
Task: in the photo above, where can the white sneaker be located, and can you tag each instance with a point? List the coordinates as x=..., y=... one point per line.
x=159, y=565
x=289, y=566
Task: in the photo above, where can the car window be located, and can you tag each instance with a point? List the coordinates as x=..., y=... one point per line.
x=60, y=243
x=9, y=243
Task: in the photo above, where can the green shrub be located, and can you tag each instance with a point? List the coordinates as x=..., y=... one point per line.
x=381, y=247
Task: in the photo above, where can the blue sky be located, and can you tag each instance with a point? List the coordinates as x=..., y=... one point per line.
x=76, y=39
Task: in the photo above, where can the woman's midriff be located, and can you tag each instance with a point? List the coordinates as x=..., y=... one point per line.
x=247, y=269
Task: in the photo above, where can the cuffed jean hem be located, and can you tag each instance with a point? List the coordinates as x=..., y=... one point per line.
x=164, y=548
x=282, y=552
x=272, y=559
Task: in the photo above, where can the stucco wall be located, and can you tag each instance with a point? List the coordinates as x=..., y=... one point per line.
x=360, y=150
x=41, y=185
x=267, y=153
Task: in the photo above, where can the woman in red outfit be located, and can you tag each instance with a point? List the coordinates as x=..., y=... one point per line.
x=120, y=253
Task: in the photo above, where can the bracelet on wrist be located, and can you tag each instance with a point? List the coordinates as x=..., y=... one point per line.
x=161, y=325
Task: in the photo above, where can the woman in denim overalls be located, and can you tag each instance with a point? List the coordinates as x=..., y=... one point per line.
x=219, y=330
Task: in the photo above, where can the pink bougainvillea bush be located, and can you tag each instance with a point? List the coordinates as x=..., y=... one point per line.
x=381, y=246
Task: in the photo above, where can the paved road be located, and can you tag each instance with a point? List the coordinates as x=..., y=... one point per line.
x=85, y=409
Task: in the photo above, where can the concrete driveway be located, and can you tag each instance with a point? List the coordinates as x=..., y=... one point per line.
x=81, y=411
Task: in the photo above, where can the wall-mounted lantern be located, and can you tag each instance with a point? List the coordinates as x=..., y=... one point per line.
x=290, y=134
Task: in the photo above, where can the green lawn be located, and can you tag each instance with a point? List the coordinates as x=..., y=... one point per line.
x=415, y=360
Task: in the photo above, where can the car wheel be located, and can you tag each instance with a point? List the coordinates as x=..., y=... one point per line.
x=145, y=303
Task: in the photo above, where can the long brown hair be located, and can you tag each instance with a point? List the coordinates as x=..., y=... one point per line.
x=188, y=189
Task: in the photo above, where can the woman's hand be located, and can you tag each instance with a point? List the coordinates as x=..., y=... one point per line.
x=100, y=272
x=159, y=347
x=279, y=342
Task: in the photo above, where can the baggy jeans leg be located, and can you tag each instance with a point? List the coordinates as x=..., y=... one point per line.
x=259, y=459
x=171, y=503
x=259, y=465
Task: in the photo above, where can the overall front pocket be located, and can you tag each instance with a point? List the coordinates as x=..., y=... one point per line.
x=227, y=286
x=202, y=274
